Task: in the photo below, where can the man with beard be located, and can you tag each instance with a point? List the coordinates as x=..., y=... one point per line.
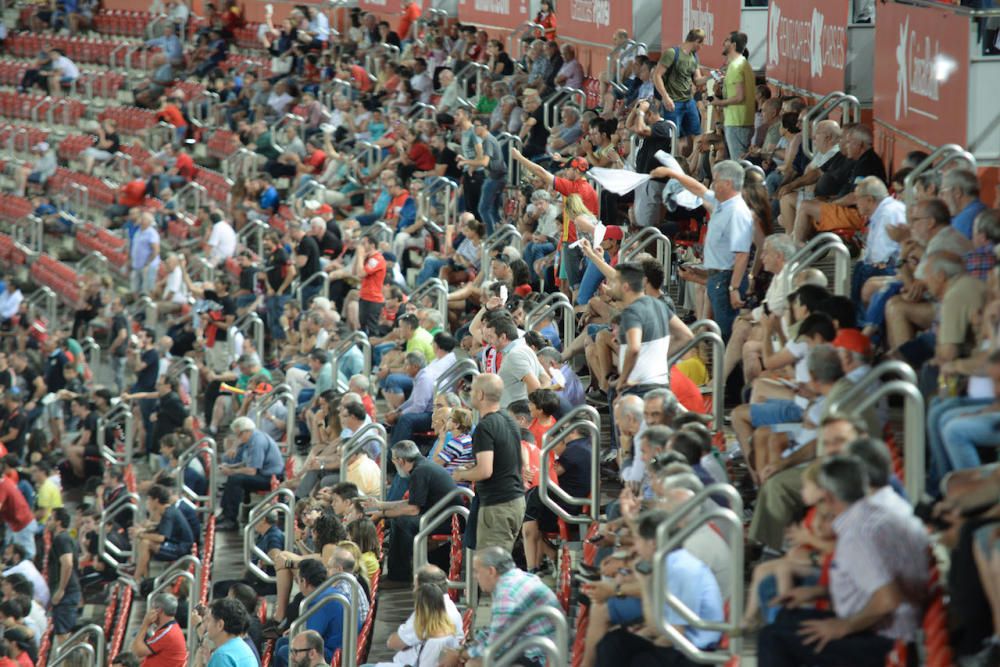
x=307, y=650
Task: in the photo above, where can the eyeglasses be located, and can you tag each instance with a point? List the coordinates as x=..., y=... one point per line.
x=299, y=650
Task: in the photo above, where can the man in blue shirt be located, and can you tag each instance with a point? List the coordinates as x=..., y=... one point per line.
x=249, y=467
x=170, y=44
x=169, y=539
x=960, y=191
x=328, y=620
x=224, y=626
x=270, y=540
x=414, y=414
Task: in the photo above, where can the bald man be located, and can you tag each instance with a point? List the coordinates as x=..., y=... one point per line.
x=826, y=145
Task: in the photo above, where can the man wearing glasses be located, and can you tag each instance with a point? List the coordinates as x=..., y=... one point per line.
x=307, y=650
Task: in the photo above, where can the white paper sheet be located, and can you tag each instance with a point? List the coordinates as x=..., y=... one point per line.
x=618, y=181
x=599, y=231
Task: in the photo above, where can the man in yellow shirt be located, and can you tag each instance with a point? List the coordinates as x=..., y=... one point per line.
x=739, y=104
x=417, y=338
x=365, y=474
x=49, y=494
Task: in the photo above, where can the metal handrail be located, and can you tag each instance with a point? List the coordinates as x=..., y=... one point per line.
x=431, y=519
x=45, y=294
x=207, y=502
x=80, y=195
x=811, y=252
x=914, y=464
x=450, y=377
x=178, y=570
x=92, y=353
x=152, y=310
x=251, y=325
x=556, y=98
x=871, y=379
x=568, y=319
x=663, y=249
x=181, y=196
x=440, y=292
x=718, y=376
x=346, y=343
x=75, y=643
x=183, y=365
x=31, y=233
x=587, y=418
x=358, y=440
x=451, y=212
x=109, y=552
x=288, y=117
x=255, y=228
x=614, y=72
x=935, y=162
x=504, y=650
x=513, y=166
x=383, y=232
x=349, y=633
x=107, y=453
x=250, y=549
x=518, y=34
x=501, y=237
x=321, y=276
x=280, y=393
x=666, y=543
x=850, y=113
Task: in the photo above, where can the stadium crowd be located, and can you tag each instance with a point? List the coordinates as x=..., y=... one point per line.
x=373, y=165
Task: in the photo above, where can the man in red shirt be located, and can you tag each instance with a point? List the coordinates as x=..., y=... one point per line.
x=16, y=513
x=130, y=195
x=166, y=645
x=411, y=12
x=369, y=266
x=573, y=182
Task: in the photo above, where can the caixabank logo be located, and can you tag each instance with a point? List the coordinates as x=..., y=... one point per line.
x=920, y=69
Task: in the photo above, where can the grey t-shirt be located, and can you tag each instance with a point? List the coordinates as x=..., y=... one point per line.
x=497, y=167
x=469, y=142
x=517, y=361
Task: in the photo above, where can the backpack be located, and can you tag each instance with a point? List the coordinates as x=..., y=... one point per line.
x=670, y=70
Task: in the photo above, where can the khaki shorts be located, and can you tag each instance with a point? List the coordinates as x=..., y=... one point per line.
x=499, y=525
x=834, y=216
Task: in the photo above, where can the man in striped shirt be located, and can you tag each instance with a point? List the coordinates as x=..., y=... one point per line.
x=515, y=593
x=877, y=581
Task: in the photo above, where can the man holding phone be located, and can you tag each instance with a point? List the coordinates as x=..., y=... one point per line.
x=160, y=641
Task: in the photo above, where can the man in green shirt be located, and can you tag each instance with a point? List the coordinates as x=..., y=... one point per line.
x=739, y=104
x=674, y=79
x=417, y=338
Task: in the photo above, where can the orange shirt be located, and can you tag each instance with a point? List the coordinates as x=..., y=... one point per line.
x=538, y=429
x=686, y=391
x=132, y=194
x=172, y=115
x=360, y=75
x=396, y=205
x=410, y=14
x=374, y=278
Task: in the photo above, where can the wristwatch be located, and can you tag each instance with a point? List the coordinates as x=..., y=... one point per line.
x=734, y=289
x=618, y=591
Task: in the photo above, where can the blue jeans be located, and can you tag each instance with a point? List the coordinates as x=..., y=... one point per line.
x=489, y=202
x=686, y=117
x=718, y=295
x=943, y=411
x=534, y=252
x=964, y=434
x=876, y=309
x=592, y=278
x=379, y=350
x=432, y=266
x=398, y=383
x=408, y=424
x=25, y=537
x=274, y=306
x=862, y=272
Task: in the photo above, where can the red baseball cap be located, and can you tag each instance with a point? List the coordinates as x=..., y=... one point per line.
x=578, y=163
x=614, y=232
x=853, y=340
x=324, y=209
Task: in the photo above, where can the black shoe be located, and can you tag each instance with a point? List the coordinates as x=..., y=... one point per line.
x=393, y=585
x=227, y=526
x=597, y=395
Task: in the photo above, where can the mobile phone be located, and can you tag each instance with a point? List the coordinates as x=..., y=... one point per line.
x=644, y=567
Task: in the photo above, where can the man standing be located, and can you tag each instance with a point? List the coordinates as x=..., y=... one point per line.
x=64, y=582
x=496, y=176
x=166, y=645
x=145, y=255
x=470, y=160
x=306, y=261
x=280, y=272
x=727, y=243
x=369, y=266
x=674, y=79
x=249, y=467
x=429, y=483
x=739, y=104
x=643, y=335
x=16, y=513
x=656, y=134
x=496, y=444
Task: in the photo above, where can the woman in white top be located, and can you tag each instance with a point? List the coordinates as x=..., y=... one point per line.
x=433, y=630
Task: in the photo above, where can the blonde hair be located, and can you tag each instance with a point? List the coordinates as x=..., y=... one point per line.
x=430, y=614
x=462, y=418
x=359, y=568
x=574, y=206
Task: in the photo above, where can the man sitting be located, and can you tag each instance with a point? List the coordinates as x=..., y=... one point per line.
x=169, y=540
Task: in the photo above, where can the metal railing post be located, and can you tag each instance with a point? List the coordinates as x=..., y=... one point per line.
x=75, y=643
x=207, y=502
x=348, y=654
x=506, y=649
x=718, y=376
x=258, y=513
x=588, y=419
x=444, y=509
x=813, y=251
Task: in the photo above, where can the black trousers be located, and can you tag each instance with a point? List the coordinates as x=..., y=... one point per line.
x=369, y=313
x=402, y=530
x=621, y=648
x=472, y=186
x=779, y=644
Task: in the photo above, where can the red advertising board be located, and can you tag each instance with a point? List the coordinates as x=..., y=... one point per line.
x=922, y=81
x=504, y=14
x=807, y=44
x=592, y=22
x=381, y=7
x=717, y=18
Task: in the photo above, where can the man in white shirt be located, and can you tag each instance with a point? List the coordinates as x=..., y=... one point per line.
x=826, y=140
x=319, y=27
x=222, y=239
x=64, y=71
x=10, y=300
x=421, y=81
x=881, y=251
x=15, y=558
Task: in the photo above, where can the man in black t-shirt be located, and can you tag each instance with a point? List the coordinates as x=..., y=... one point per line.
x=63, y=568
x=280, y=272
x=306, y=261
x=166, y=536
x=840, y=213
x=6, y=374
x=657, y=135
x=14, y=429
x=533, y=131
x=145, y=361
x=428, y=484
x=496, y=444
x=85, y=446
x=171, y=415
